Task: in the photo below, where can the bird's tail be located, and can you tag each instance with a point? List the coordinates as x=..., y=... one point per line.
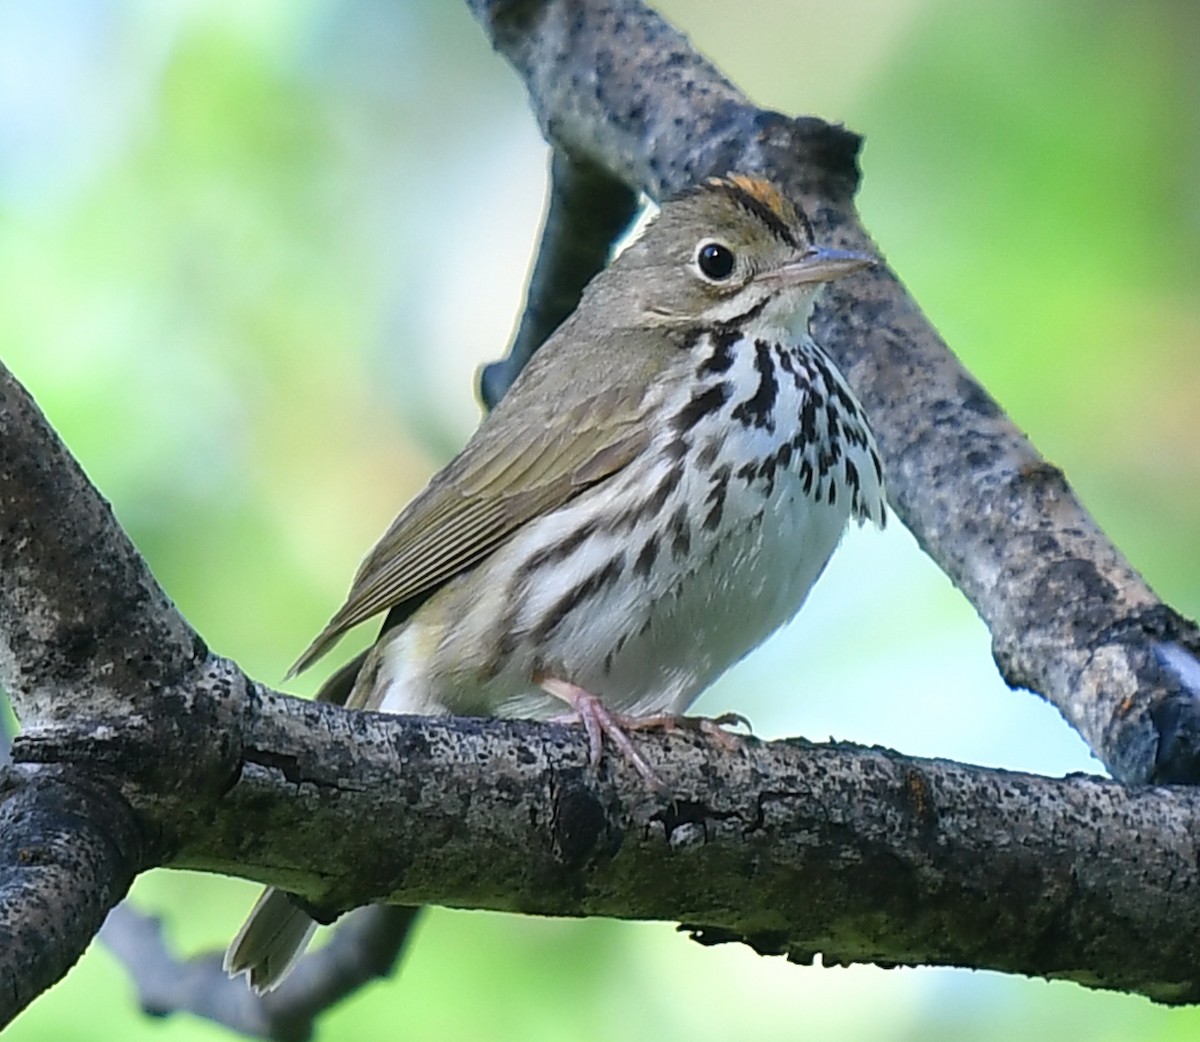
x=273, y=937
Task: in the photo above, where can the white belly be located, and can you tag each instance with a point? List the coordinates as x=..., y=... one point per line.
x=745, y=581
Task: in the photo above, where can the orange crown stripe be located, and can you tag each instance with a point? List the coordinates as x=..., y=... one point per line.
x=765, y=192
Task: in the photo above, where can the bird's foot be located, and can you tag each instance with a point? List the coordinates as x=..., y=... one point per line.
x=600, y=722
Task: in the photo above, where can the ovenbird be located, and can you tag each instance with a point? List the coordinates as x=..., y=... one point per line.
x=654, y=496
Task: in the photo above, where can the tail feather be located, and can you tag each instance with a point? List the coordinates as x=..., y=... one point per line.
x=273, y=937
x=277, y=930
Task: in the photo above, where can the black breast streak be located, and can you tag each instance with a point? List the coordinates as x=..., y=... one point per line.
x=553, y=553
x=759, y=410
x=707, y=455
x=681, y=533
x=808, y=421
x=669, y=484
x=845, y=399
x=716, y=499
x=851, y=477
x=779, y=460
x=518, y=590
x=766, y=473
x=676, y=449
x=706, y=402
x=609, y=574
x=646, y=558
x=829, y=422
x=723, y=340
x=797, y=367
x=827, y=456
x=613, y=652
x=833, y=417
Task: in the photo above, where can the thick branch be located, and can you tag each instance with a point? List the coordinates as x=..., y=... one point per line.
x=69, y=850
x=610, y=82
x=138, y=748
x=861, y=855
x=95, y=656
x=85, y=631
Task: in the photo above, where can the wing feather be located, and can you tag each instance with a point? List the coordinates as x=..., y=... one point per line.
x=541, y=447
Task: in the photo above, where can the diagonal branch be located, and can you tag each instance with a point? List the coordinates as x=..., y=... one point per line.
x=66, y=653
x=612, y=83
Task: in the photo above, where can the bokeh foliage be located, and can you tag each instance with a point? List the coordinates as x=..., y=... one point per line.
x=251, y=255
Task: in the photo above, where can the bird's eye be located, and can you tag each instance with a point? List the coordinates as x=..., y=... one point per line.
x=715, y=261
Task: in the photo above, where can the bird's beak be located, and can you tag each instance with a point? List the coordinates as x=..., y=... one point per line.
x=819, y=265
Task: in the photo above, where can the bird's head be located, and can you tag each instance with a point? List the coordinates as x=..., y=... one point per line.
x=732, y=249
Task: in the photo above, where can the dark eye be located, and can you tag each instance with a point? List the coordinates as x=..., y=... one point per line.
x=715, y=261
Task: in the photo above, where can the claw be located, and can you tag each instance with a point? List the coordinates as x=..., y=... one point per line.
x=710, y=727
x=599, y=721
x=714, y=728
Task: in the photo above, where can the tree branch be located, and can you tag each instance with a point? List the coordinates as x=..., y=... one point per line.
x=69, y=849
x=612, y=83
x=85, y=631
x=97, y=662
x=792, y=847
x=366, y=946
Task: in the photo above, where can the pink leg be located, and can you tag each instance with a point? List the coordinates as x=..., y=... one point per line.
x=600, y=722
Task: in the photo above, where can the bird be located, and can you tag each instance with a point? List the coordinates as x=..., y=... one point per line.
x=654, y=496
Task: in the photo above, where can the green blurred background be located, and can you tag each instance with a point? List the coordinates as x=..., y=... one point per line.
x=251, y=254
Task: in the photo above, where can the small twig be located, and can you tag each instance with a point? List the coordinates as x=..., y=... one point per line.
x=365, y=946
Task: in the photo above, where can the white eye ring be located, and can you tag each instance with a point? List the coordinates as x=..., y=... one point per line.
x=715, y=261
